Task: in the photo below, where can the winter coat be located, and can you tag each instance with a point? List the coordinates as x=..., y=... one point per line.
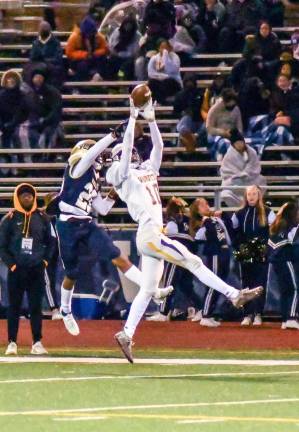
x=20, y=224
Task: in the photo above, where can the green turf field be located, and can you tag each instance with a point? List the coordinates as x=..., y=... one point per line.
x=151, y=397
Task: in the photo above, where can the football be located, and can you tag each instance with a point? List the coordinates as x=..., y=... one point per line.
x=141, y=95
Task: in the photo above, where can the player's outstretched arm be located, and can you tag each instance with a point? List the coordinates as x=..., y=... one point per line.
x=157, y=151
x=90, y=156
x=104, y=205
x=128, y=143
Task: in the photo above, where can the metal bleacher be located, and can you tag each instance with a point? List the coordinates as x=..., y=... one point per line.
x=91, y=108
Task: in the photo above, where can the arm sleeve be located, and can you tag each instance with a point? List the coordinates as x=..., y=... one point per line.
x=50, y=241
x=201, y=234
x=126, y=154
x=157, y=151
x=102, y=205
x=6, y=257
x=171, y=228
x=235, y=221
x=271, y=217
x=90, y=156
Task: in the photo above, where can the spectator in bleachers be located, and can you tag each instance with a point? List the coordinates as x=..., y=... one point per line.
x=295, y=44
x=187, y=105
x=242, y=18
x=159, y=19
x=25, y=248
x=211, y=18
x=251, y=232
x=254, y=100
x=267, y=42
x=288, y=65
x=189, y=38
x=211, y=230
x=87, y=51
x=164, y=73
x=224, y=116
x=47, y=49
x=239, y=167
x=282, y=260
x=250, y=65
x=11, y=112
x=123, y=46
x=274, y=11
x=43, y=107
x=276, y=128
x=212, y=94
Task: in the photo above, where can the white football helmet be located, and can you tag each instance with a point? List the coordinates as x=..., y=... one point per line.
x=116, y=154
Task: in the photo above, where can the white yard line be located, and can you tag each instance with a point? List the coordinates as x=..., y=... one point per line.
x=139, y=377
x=159, y=361
x=66, y=419
x=200, y=421
x=56, y=412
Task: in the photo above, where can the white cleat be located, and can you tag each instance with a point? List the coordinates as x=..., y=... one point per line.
x=12, y=349
x=291, y=324
x=283, y=326
x=247, y=321
x=158, y=317
x=162, y=293
x=209, y=322
x=70, y=323
x=246, y=295
x=56, y=315
x=38, y=349
x=257, y=320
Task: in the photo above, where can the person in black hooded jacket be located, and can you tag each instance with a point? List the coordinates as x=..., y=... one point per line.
x=26, y=246
x=11, y=110
x=43, y=106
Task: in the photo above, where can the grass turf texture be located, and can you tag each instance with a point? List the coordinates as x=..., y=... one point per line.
x=158, y=385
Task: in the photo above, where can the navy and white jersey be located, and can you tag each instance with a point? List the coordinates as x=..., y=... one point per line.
x=246, y=225
x=281, y=246
x=77, y=194
x=215, y=235
x=177, y=226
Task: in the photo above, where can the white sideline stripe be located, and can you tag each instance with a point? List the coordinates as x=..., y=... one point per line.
x=66, y=419
x=55, y=412
x=159, y=361
x=200, y=421
x=136, y=377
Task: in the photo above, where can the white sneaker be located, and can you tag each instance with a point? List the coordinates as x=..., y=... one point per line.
x=56, y=315
x=12, y=349
x=70, y=323
x=247, y=321
x=292, y=324
x=38, y=349
x=257, y=320
x=197, y=316
x=209, y=322
x=158, y=317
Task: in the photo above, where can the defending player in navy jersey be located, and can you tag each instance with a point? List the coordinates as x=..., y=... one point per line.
x=79, y=197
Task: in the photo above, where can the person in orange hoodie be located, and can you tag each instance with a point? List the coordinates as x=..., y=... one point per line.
x=87, y=51
x=26, y=246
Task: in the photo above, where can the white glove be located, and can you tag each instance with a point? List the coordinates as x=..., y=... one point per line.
x=133, y=110
x=148, y=112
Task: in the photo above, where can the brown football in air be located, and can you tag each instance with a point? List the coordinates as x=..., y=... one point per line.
x=141, y=95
